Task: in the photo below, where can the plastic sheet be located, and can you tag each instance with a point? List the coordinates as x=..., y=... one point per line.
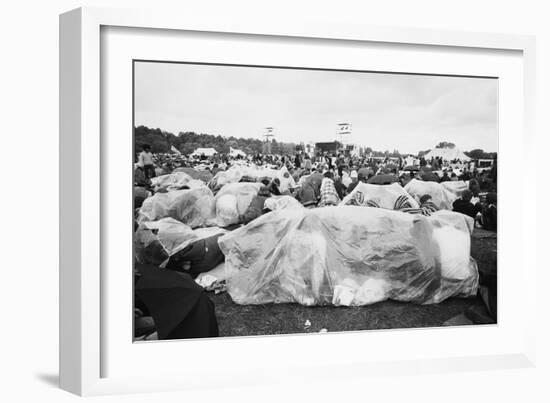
x=226, y=210
x=242, y=192
x=349, y=255
x=384, y=196
x=194, y=207
x=254, y=173
x=456, y=187
x=157, y=241
x=202, y=175
x=441, y=197
x=173, y=181
x=282, y=202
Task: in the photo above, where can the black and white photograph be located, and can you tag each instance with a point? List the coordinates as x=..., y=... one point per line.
x=271, y=200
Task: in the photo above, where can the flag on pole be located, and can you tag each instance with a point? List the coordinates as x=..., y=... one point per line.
x=175, y=150
x=344, y=128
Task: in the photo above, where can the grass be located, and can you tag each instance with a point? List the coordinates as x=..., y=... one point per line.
x=269, y=319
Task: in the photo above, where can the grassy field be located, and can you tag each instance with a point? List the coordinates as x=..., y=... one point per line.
x=238, y=320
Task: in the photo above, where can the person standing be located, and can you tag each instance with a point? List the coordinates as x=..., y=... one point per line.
x=145, y=160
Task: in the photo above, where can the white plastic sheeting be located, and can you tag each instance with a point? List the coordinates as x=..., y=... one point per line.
x=441, y=196
x=228, y=209
x=173, y=181
x=384, y=195
x=193, y=207
x=156, y=241
x=456, y=187
x=282, y=202
x=349, y=255
x=255, y=173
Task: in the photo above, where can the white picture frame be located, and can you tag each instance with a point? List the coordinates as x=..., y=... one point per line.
x=83, y=188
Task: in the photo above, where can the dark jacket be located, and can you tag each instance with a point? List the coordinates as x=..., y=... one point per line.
x=466, y=207
x=255, y=209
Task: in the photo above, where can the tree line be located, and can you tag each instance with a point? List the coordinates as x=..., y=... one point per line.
x=186, y=142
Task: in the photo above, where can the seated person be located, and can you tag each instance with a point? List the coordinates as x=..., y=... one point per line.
x=489, y=213
x=306, y=195
x=340, y=187
x=465, y=206
x=354, y=181
x=274, y=187
x=329, y=195
x=256, y=207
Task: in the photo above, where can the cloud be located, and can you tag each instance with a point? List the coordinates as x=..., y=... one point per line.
x=387, y=111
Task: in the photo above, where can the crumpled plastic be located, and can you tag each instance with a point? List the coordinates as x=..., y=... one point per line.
x=175, y=181
x=350, y=255
x=282, y=202
x=156, y=241
x=193, y=207
x=456, y=187
x=232, y=200
x=384, y=195
x=202, y=175
x=441, y=196
x=254, y=173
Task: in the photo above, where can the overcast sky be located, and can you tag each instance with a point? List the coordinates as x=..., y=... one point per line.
x=386, y=111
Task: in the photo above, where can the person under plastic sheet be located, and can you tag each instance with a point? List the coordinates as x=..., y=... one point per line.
x=256, y=207
x=465, y=206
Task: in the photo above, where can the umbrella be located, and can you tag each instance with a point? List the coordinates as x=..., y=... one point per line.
x=382, y=179
x=180, y=308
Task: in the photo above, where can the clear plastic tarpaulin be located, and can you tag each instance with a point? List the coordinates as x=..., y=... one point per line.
x=193, y=207
x=175, y=181
x=441, y=196
x=385, y=196
x=156, y=241
x=232, y=201
x=350, y=255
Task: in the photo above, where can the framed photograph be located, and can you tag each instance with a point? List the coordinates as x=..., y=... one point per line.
x=313, y=200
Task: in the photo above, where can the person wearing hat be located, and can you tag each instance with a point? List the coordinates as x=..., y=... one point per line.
x=256, y=207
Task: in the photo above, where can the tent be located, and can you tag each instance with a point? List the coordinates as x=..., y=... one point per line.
x=447, y=154
x=204, y=151
x=234, y=152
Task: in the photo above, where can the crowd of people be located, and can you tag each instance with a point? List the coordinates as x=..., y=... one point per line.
x=312, y=180
x=326, y=178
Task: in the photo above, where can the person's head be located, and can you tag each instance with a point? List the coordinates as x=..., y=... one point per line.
x=425, y=198
x=329, y=174
x=467, y=195
x=146, y=148
x=361, y=177
x=354, y=175
x=264, y=191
